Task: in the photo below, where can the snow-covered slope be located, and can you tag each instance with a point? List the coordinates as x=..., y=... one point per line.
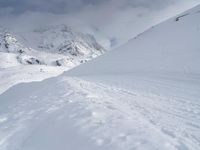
x=172, y=46
x=69, y=113
x=143, y=96
x=162, y=64
x=51, y=50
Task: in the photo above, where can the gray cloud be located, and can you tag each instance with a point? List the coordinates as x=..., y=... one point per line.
x=113, y=22
x=66, y=6
x=53, y=6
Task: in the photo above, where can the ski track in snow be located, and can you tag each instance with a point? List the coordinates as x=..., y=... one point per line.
x=110, y=117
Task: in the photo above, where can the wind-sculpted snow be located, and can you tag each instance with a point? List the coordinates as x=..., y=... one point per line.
x=70, y=113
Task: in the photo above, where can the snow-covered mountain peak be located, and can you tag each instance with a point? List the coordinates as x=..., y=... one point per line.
x=52, y=45
x=10, y=44
x=63, y=40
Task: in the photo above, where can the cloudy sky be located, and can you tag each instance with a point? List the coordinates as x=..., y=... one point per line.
x=113, y=22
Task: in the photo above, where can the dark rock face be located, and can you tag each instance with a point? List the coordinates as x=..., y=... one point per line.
x=33, y=61
x=58, y=63
x=179, y=17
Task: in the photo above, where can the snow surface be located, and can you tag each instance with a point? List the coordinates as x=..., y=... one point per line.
x=142, y=96
x=172, y=46
x=21, y=74
x=69, y=113
x=42, y=53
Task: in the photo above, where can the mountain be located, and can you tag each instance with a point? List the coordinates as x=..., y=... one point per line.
x=144, y=95
x=63, y=40
x=62, y=45
x=43, y=53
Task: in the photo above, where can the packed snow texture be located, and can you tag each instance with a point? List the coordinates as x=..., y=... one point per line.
x=142, y=96
x=70, y=113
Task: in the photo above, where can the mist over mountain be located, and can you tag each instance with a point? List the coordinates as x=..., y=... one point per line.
x=112, y=22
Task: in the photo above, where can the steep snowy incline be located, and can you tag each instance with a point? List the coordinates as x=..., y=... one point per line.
x=163, y=60
x=172, y=47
